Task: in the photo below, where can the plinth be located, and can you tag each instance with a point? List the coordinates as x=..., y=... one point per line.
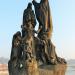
x=58, y=69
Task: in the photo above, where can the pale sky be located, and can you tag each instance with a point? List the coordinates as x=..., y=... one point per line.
x=63, y=16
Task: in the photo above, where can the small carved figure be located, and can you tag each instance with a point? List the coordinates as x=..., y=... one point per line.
x=44, y=47
x=28, y=45
x=29, y=15
x=16, y=46
x=16, y=52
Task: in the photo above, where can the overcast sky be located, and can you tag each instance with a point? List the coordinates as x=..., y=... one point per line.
x=63, y=16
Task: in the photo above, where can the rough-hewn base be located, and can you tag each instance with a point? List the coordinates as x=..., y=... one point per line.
x=58, y=69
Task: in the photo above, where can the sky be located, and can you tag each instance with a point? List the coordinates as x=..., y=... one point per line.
x=63, y=17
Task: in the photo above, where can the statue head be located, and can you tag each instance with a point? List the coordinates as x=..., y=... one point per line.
x=29, y=5
x=16, y=39
x=17, y=34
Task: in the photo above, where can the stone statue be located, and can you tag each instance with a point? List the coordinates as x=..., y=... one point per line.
x=28, y=19
x=16, y=52
x=28, y=45
x=28, y=50
x=43, y=15
x=16, y=45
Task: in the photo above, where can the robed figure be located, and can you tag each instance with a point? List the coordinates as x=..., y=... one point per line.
x=43, y=15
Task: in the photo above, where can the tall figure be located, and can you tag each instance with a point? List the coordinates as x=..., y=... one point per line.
x=43, y=15
x=29, y=21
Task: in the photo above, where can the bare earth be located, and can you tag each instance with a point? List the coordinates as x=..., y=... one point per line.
x=3, y=72
x=3, y=69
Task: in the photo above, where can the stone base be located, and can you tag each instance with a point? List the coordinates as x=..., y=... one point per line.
x=58, y=69
x=32, y=69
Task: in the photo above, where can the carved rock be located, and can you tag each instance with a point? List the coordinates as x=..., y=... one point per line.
x=35, y=55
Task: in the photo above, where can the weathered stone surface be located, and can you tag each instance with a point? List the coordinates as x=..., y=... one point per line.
x=31, y=67
x=28, y=50
x=58, y=69
x=43, y=15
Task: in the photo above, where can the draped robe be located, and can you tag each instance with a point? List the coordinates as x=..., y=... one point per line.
x=43, y=15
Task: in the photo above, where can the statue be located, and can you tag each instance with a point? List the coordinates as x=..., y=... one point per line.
x=46, y=48
x=16, y=52
x=43, y=15
x=28, y=26
x=16, y=46
x=28, y=19
x=29, y=52
x=28, y=45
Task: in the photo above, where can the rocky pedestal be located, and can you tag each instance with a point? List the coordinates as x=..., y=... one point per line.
x=31, y=67
x=58, y=69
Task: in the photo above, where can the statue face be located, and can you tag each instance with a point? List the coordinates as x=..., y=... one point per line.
x=29, y=5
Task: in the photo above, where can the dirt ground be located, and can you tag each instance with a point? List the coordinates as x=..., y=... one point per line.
x=4, y=73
